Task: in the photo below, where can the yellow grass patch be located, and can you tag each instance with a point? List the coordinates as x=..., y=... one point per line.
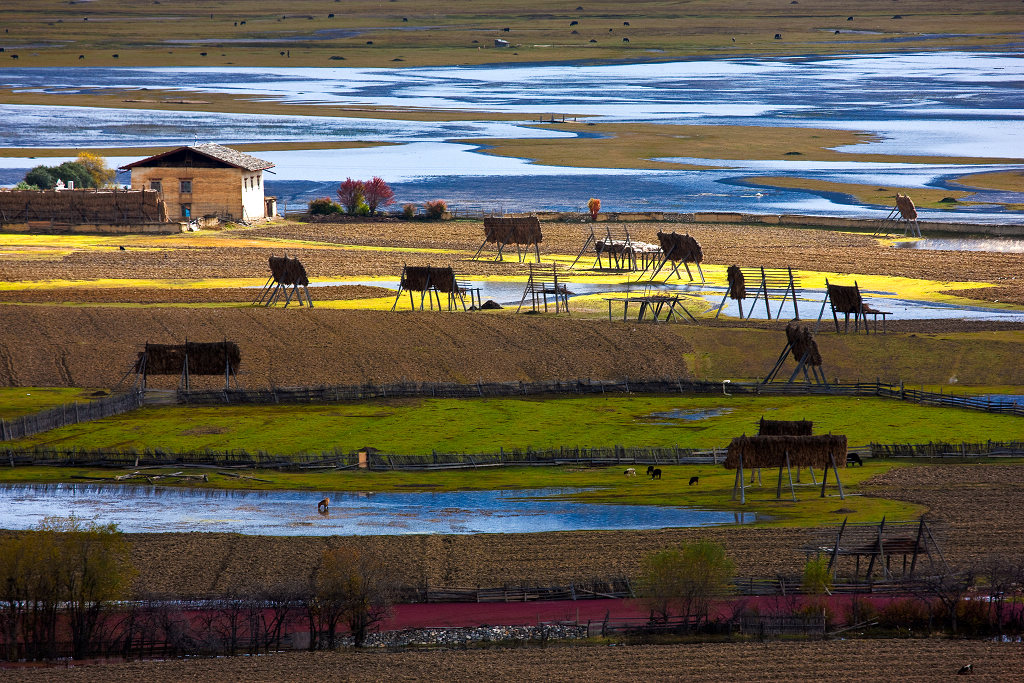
x=870, y=194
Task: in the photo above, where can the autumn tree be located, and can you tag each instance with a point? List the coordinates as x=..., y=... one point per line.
x=101, y=174
x=378, y=193
x=682, y=582
x=352, y=589
x=594, y=204
x=351, y=194
x=62, y=567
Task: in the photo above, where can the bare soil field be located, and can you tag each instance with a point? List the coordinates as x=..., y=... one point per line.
x=205, y=565
x=94, y=346
x=860, y=660
x=978, y=506
x=178, y=295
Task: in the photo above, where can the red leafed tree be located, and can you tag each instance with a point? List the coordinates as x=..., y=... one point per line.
x=351, y=193
x=377, y=193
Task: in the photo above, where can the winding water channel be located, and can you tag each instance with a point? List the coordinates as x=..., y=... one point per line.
x=938, y=104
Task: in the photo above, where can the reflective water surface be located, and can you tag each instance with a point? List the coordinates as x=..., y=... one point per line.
x=294, y=513
x=926, y=104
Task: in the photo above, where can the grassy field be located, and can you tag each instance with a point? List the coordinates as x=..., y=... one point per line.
x=15, y=401
x=407, y=33
x=419, y=426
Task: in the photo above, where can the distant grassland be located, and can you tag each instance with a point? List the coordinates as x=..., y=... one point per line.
x=411, y=33
x=15, y=401
x=414, y=426
x=638, y=145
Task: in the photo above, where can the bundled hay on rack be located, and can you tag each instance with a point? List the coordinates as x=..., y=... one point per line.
x=288, y=271
x=802, y=342
x=737, y=285
x=420, y=278
x=784, y=427
x=906, y=206
x=770, y=451
x=678, y=247
x=204, y=358
x=117, y=207
x=845, y=299
x=523, y=231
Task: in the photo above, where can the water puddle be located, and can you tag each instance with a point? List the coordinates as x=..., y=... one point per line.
x=999, y=246
x=138, y=509
x=807, y=307
x=1005, y=399
x=672, y=418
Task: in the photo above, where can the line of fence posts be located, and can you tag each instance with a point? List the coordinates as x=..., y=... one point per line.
x=591, y=386
x=68, y=414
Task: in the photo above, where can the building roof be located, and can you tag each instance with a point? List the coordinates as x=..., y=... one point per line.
x=225, y=155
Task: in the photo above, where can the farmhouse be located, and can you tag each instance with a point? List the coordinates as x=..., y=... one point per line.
x=206, y=180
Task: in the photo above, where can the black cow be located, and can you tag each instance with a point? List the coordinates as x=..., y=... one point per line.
x=655, y=473
x=694, y=480
x=853, y=459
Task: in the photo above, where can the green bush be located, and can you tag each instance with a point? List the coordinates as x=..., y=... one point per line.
x=817, y=578
x=681, y=582
x=323, y=207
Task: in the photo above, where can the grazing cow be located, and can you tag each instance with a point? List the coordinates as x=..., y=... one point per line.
x=630, y=472
x=323, y=505
x=854, y=459
x=694, y=480
x=650, y=468
x=966, y=670
x=655, y=473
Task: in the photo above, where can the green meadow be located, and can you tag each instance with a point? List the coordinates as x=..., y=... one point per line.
x=17, y=401
x=419, y=426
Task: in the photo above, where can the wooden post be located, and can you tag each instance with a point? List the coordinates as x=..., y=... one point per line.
x=835, y=549
x=790, y=473
x=824, y=478
x=917, y=544
x=743, y=491
x=835, y=471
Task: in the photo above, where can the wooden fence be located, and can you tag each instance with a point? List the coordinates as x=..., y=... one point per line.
x=68, y=414
x=328, y=394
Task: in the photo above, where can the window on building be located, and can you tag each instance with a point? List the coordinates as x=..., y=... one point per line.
x=155, y=185
x=186, y=187
x=186, y=210
x=257, y=181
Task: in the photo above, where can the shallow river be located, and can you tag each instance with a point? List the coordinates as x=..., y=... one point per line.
x=294, y=513
x=949, y=104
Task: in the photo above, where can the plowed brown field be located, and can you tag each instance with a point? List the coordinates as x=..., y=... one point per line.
x=94, y=346
x=860, y=660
